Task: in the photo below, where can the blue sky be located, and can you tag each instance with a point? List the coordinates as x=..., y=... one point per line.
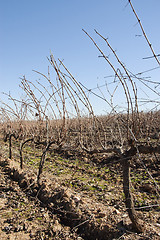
x=30, y=29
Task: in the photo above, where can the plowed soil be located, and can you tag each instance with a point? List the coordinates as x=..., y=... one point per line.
x=77, y=199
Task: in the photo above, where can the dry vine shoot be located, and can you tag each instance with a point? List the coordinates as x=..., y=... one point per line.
x=99, y=174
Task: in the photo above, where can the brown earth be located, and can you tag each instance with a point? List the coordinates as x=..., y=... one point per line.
x=77, y=199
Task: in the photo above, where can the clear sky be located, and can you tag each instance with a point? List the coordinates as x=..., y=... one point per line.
x=30, y=29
